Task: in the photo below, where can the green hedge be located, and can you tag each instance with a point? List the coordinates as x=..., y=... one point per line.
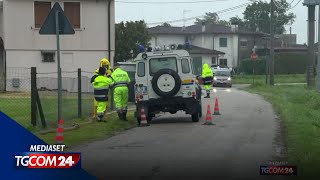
x=285, y=63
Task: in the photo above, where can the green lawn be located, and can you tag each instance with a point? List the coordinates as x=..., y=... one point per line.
x=299, y=109
x=283, y=78
x=18, y=107
x=93, y=131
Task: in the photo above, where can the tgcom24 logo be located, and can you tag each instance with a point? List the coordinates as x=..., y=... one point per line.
x=47, y=157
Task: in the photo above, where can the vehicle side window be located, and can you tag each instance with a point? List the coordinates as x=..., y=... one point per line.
x=185, y=66
x=141, y=69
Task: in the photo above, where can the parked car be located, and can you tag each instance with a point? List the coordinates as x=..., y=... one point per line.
x=220, y=67
x=214, y=67
x=130, y=67
x=222, y=78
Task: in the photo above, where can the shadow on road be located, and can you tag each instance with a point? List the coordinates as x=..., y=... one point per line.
x=171, y=120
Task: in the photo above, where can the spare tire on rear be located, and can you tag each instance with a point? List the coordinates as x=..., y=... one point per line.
x=166, y=83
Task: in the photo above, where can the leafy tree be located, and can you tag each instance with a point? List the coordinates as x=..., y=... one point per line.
x=166, y=24
x=224, y=22
x=209, y=18
x=236, y=20
x=257, y=15
x=129, y=36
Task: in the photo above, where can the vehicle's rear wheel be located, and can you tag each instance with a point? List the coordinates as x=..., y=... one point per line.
x=195, y=117
x=200, y=111
x=139, y=120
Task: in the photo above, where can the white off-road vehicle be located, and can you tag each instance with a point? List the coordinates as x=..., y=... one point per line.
x=165, y=83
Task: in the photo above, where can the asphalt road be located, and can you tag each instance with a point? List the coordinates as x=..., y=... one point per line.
x=245, y=136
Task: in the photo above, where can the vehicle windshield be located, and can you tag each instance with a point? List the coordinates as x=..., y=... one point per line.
x=222, y=73
x=162, y=63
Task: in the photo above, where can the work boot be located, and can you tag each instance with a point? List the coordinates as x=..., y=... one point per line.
x=119, y=115
x=125, y=115
x=100, y=117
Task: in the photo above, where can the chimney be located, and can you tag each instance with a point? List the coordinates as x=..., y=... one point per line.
x=203, y=27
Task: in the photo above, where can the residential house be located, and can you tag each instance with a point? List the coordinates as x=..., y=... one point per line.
x=23, y=47
x=220, y=42
x=283, y=43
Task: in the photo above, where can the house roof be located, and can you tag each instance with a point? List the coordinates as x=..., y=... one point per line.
x=200, y=50
x=197, y=29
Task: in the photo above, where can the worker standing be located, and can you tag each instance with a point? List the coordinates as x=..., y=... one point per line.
x=101, y=85
x=207, y=78
x=104, y=62
x=121, y=91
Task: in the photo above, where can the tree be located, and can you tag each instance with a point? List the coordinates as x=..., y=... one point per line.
x=129, y=36
x=166, y=24
x=236, y=20
x=209, y=18
x=257, y=15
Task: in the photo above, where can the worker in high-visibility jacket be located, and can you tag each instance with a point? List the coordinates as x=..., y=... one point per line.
x=104, y=62
x=101, y=85
x=121, y=91
x=207, y=78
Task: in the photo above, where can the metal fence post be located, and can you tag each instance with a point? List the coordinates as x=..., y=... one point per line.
x=79, y=94
x=33, y=96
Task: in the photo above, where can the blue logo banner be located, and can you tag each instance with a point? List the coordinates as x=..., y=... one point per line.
x=16, y=139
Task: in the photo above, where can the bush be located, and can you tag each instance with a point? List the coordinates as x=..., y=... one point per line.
x=285, y=63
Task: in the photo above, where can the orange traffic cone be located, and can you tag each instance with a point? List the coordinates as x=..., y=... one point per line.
x=59, y=136
x=216, y=108
x=208, y=117
x=143, y=118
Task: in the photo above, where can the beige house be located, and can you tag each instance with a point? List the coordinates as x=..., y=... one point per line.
x=21, y=45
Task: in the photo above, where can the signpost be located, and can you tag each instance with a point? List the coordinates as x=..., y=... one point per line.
x=253, y=58
x=57, y=23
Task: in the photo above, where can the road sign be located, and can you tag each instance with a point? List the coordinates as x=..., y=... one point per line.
x=57, y=23
x=254, y=56
x=49, y=25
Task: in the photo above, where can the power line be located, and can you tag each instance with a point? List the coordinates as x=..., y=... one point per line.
x=295, y=4
x=167, y=2
x=218, y=12
x=280, y=6
x=291, y=2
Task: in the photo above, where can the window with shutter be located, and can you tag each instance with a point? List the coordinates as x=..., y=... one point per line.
x=72, y=11
x=41, y=11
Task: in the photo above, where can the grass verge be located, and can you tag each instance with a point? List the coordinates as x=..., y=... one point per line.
x=298, y=108
x=280, y=78
x=93, y=131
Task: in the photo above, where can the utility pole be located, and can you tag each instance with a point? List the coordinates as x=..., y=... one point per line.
x=311, y=54
x=318, y=59
x=267, y=59
x=271, y=66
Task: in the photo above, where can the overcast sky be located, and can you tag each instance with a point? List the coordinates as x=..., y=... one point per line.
x=152, y=13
